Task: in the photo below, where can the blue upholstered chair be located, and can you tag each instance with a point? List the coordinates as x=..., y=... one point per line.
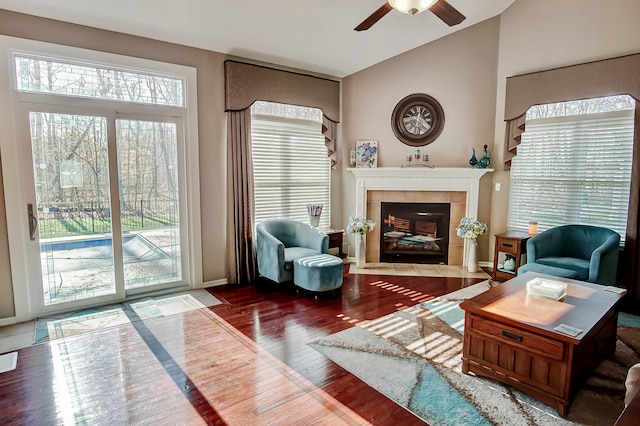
x=281, y=241
x=587, y=253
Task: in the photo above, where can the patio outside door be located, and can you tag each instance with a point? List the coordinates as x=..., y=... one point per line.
x=106, y=216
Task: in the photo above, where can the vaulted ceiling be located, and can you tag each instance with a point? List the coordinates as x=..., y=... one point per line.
x=314, y=35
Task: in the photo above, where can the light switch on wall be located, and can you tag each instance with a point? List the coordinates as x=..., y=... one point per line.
x=497, y=186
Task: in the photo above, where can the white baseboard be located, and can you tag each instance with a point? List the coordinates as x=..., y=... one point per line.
x=215, y=283
x=8, y=321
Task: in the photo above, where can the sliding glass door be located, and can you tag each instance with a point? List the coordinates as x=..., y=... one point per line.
x=107, y=216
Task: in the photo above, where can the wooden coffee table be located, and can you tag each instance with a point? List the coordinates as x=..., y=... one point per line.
x=509, y=336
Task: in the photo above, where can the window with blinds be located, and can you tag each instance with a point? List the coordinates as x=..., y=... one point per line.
x=290, y=164
x=574, y=169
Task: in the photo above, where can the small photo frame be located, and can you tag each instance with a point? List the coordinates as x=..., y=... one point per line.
x=366, y=153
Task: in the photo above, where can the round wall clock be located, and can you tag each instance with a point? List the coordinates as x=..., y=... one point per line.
x=417, y=120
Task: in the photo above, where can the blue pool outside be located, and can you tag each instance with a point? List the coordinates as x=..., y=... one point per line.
x=84, y=243
x=82, y=267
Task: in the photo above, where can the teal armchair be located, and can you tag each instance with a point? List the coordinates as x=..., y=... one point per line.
x=589, y=251
x=281, y=241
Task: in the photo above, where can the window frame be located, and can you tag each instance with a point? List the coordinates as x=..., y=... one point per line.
x=325, y=218
x=577, y=123
x=13, y=101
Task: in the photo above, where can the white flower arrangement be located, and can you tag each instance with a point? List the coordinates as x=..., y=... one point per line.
x=360, y=225
x=471, y=228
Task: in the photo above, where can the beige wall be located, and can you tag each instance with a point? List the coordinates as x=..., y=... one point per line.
x=544, y=34
x=460, y=72
x=211, y=118
x=465, y=72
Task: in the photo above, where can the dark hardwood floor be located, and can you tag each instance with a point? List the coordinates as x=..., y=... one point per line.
x=282, y=321
x=244, y=362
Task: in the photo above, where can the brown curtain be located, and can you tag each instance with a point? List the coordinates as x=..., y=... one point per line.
x=513, y=136
x=245, y=84
x=630, y=267
x=330, y=132
x=241, y=263
x=609, y=77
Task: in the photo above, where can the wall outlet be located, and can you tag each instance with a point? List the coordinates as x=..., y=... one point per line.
x=497, y=186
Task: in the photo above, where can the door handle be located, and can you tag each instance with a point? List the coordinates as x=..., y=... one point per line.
x=33, y=222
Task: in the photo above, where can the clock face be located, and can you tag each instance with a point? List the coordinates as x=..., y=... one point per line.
x=417, y=120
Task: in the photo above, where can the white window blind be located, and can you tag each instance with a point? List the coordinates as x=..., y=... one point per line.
x=574, y=169
x=290, y=163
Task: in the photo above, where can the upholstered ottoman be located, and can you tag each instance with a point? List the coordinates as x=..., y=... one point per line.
x=548, y=270
x=318, y=273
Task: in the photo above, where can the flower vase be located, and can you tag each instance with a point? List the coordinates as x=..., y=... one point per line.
x=361, y=251
x=472, y=260
x=314, y=220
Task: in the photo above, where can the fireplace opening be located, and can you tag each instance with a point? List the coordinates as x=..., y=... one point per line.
x=415, y=233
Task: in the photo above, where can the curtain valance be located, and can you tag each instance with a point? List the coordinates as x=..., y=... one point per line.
x=608, y=77
x=247, y=83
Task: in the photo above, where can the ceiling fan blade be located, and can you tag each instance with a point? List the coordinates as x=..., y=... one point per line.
x=374, y=17
x=447, y=13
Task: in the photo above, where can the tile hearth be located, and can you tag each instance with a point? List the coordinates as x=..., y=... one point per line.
x=415, y=269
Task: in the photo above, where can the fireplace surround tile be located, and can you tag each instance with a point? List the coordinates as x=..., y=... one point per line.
x=457, y=185
x=375, y=198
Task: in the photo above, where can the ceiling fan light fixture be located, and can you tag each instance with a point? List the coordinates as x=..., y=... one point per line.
x=411, y=7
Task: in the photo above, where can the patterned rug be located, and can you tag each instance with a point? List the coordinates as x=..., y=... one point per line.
x=413, y=356
x=66, y=325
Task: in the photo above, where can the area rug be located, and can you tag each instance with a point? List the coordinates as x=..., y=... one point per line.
x=89, y=320
x=413, y=356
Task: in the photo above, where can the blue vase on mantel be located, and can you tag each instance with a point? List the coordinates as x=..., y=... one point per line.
x=473, y=161
x=484, y=162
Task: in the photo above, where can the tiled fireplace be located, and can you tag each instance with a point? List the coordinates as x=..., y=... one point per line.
x=458, y=187
x=414, y=232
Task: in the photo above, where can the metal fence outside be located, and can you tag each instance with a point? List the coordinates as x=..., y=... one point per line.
x=64, y=219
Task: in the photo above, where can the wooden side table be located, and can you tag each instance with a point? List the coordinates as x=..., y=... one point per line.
x=510, y=242
x=335, y=239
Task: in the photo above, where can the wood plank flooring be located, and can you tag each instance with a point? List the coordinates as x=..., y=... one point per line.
x=241, y=363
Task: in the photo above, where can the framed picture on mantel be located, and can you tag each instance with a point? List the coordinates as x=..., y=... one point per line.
x=366, y=153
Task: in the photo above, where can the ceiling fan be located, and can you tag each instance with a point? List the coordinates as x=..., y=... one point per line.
x=443, y=10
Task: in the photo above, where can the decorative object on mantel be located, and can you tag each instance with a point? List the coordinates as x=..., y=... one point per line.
x=473, y=160
x=352, y=158
x=359, y=226
x=366, y=153
x=417, y=120
x=484, y=162
x=314, y=210
x=417, y=157
x=470, y=229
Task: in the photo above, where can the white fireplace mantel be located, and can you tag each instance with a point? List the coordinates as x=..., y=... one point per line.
x=463, y=179
x=458, y=179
